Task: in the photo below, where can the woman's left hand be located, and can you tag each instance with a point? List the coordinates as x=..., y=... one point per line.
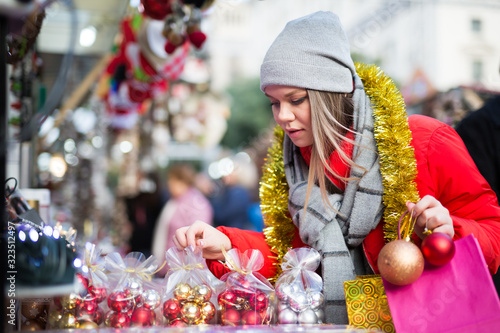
x=430, y=214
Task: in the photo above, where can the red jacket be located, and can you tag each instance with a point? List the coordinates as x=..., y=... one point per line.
x=446, y=171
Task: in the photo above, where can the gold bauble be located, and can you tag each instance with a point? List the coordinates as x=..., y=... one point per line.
x=33, y=309
x=400, y=262
x=191, y=312
x=54, y=318
x=32, y=325
x=87, y=324
x=68, y=320
x=202, y=293
x=207, y=311
x=69, y=302
x=182, y=291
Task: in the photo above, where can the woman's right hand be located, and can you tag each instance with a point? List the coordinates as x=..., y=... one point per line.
x=204, y=235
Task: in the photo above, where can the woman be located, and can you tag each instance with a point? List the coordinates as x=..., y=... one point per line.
x=338, y=167
x=185, y=206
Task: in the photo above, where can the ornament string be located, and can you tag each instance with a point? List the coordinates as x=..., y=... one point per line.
x=230, y=264
x=409, y=225
x=142, y=273
x=187, y=267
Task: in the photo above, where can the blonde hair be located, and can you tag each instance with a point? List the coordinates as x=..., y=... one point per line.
x=331, y=118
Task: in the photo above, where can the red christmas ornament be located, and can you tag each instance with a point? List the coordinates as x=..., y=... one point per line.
x=86, y=309
x=171, y=309
x=99, y=316
x=177, y=323
x=156, y=9
x=227, y=298
x=251, y=318
x=231, y=317
x=99, y=294
x=143, y=317
x=118, y=320
x=438, y=248
x=259, y=301
x=170, y=47
x=197, y=38
x=121, y=302
x=57, y=302
x=83, y=280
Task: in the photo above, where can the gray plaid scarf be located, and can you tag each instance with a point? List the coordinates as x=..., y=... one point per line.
x=338, y=236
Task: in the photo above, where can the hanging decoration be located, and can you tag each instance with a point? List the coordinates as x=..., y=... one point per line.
x=151, y=52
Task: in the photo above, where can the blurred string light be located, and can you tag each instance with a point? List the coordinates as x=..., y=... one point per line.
x=70, y=146
x=88, y=36
x=126, y=146
x=43, y=161
x=134, y=3
x=97, y=142
x=226, y=165
x=57, y=166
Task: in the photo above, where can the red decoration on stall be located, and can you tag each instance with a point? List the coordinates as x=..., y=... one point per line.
x=143, y=317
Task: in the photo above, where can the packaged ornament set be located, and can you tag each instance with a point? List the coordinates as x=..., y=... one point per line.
x=118, y=292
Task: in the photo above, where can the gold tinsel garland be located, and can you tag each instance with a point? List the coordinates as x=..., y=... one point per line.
x=397, y=166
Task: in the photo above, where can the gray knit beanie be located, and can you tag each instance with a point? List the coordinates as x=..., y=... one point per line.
x=312, y=52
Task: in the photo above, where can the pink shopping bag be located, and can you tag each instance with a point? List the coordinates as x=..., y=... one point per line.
x=456, y=297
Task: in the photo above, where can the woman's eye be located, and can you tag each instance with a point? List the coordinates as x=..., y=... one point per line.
x=273, y=104
x=299, y=101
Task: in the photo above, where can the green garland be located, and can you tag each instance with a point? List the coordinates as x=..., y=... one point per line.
x=398, y=170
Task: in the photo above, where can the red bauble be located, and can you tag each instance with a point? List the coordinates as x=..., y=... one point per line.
x=118, y=320
x=231, y=317
x=86, y=309
x=143, y=317
x=119, y=301
x=438, y=248
x=156, y=9
x=227, y=298
x=99, y=316
x=251, y=318
x=99, y=294
x=400, y=262
x=197, y=38
x=170, y=48
x=259, y=301
x=177, y=323
x=171, y=309
x=57, y=302
x=83, y=280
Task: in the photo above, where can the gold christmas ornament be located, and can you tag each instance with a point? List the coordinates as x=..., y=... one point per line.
x=69, y=302
x=32, y=325
x=400, y=262
x=68, y=320
x=182, y=291
x=54, y=318
x=202, y=293
x=191, y=312
x=33, y=309
x=87, y=324
x=207, y=311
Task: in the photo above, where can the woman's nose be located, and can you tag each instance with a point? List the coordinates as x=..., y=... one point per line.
x=285, y=113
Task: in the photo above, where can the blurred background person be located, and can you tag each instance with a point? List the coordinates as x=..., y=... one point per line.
x=234, y=197
x=480, y=131
x=143, y=209
x=186, y=205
